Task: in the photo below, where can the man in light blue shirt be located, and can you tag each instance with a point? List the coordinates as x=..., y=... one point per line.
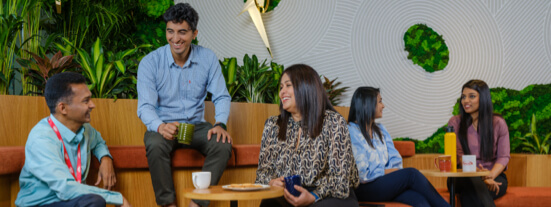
x=173, y=82
x=59, y=149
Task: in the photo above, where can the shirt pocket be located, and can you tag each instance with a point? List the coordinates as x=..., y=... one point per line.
x=198, y=84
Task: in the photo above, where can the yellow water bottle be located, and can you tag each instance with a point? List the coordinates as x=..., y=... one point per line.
x=450, y=147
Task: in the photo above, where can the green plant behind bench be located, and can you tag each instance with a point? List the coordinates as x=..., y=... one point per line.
x=254, y=81
x=533, y=142
x=106, y=71
x=333, y=92
x=41, y=68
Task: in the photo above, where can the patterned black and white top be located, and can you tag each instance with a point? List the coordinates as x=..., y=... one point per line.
x=325, y=163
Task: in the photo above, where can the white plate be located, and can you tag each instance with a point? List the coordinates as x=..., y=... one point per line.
x=261, y=187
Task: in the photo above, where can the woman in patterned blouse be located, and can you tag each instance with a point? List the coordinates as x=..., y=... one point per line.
x=379, y=163
x=309, y=138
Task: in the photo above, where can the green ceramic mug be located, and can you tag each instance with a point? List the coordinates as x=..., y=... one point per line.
x=185, y=133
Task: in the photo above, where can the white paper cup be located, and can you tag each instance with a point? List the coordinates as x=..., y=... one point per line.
x=201, y=180
x=469, y=163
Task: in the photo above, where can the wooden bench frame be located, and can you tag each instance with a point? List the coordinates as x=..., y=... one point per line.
x=120, y=127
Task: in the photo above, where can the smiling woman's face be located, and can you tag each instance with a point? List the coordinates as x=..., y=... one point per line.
x=380, y=107
x=287, y=95
x=470, y=100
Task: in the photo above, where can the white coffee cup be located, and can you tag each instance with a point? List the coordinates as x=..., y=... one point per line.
x=201, y=180
x=469, y=163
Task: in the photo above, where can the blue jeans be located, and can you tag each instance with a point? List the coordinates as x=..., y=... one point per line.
x=407, y=186
x=88, y=200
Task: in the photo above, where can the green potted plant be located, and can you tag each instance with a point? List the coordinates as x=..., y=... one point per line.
x=106, y=71
x=533, y=142
x=42, y=68
x=333, y=92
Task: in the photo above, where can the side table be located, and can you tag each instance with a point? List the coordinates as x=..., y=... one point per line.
x=219, y=194
x=453, y=176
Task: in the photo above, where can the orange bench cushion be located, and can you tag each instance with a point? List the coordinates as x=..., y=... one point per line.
x=12, y=159
x=133, y=157
x=405, y=148
x=246, y=154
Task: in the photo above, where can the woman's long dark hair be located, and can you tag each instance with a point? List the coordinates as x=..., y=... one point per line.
x=362, y=112
x=485, y=120
x=310, y=98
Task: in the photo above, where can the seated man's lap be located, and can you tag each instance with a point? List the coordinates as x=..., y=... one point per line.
x=88, y=200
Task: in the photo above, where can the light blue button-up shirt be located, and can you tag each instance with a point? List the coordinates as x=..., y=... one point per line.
x=45, y=178
x=372, y=162
x=168, y=92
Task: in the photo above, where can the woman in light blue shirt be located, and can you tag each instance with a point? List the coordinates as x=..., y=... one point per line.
x=379, y=163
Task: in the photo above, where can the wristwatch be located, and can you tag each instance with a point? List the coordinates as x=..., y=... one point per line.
x=316, y=197
x=221, y=125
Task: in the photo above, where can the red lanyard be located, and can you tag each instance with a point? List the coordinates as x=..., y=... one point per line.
x=78, y=176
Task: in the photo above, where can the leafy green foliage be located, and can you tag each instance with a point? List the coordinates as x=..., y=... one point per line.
x=433, y=144
x=107, y=75
x=229, y=70
x=426, y=48
x=255, y=77
x=254, y=81
x=19, y=29
x=40, y=69
x=156, y=8
x=333, y=92
x=516, y=107
x=150, y=28
x=273, y=89
x=10, y=24
x=82, y=21
x=151, y=31
x=532, y=142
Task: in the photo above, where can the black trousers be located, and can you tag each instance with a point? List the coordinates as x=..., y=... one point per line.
x=329, y=202
x=472, y=191
x=159, y=151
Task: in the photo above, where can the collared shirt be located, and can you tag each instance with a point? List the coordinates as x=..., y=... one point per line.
x=169, y=93
x=501, y=153
x=325, y=163
x=45, y=177
x=373, y=161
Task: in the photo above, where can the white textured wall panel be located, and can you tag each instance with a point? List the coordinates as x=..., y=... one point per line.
x=505, y=43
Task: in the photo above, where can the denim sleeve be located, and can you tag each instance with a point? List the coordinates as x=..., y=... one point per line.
x=394, y=158
x=360, y=150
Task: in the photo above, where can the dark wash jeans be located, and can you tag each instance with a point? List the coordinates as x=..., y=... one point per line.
x=88, y=200
x=407, y=186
